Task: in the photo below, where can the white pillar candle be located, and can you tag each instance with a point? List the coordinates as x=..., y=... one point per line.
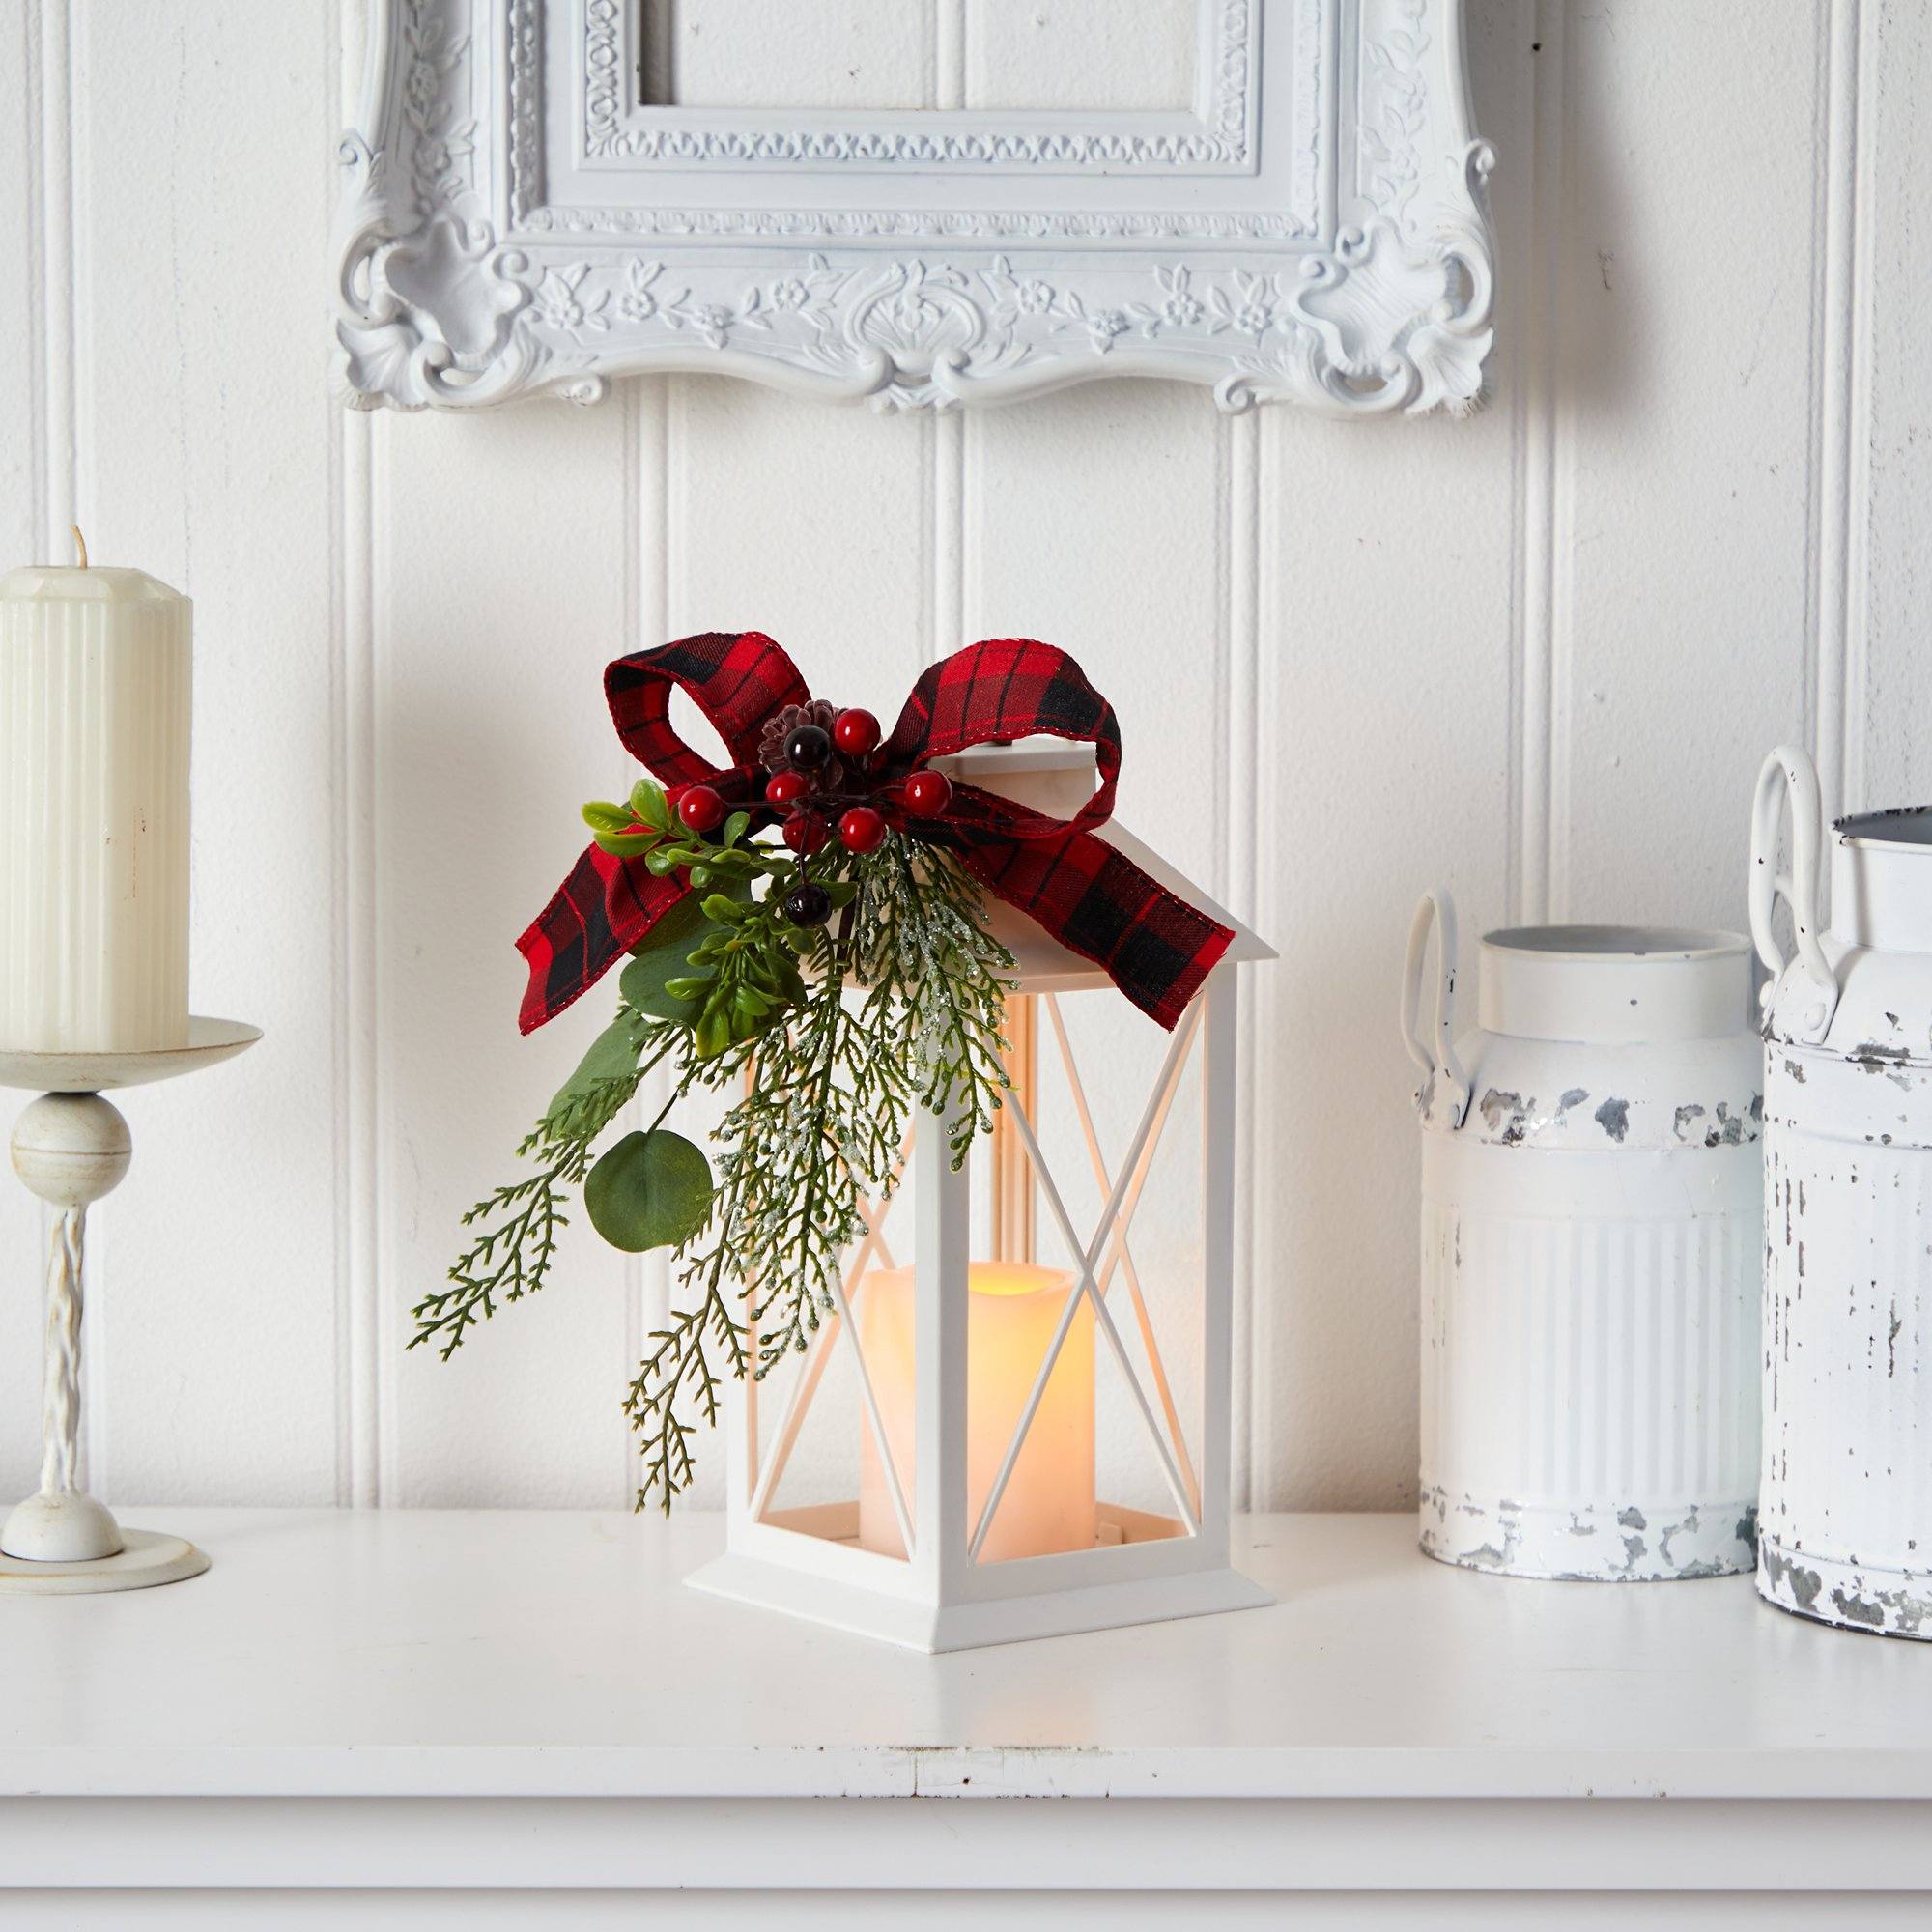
x=95, y=677
x=1013, y=1311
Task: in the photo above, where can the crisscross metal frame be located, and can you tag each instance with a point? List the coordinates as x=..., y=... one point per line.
x=1111, y=1236
x=1123, y=1255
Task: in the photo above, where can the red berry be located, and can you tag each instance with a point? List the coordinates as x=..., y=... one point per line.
x=804, y=832
x=787, y=787
x=700, y=808
x=927, y=793
x=862, y=829
x=855, y=732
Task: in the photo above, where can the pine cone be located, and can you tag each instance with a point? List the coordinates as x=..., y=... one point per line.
x=783, y=723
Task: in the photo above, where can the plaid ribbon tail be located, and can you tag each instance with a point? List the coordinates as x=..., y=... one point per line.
x=598, y=914
x=1155, y=947
x=1075, y=887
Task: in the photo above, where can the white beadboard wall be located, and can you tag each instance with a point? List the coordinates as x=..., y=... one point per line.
x=1537, y=654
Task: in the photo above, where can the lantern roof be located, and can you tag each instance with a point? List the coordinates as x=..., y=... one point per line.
x=1052, y=775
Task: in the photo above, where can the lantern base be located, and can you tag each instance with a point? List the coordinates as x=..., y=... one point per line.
x=935, y=1628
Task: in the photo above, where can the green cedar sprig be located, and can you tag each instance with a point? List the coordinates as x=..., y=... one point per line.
x=519, y=1223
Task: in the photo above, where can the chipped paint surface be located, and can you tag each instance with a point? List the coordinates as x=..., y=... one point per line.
x=1591, y=1543
x=1845, y=1493
x=1555, y=1094
x=1860, y=1595
x=1591, y=1265
x=1509, y=1117
x=1847, y=1355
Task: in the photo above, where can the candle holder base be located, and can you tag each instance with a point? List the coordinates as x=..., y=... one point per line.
x=146, y=1557
x=64, y=1526
x=70, y=1147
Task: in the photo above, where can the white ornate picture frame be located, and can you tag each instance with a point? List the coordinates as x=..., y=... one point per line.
x=518, y=221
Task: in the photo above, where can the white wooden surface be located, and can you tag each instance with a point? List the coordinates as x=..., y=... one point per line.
x=499, y=1700
x=1537, y=654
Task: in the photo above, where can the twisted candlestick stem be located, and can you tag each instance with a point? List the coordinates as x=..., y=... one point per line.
x=60, y=1391
x=68, y=1148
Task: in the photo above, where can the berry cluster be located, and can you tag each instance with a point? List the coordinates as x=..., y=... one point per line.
x=810, y=788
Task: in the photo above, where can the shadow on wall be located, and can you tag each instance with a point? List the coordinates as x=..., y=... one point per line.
x=1568, y=291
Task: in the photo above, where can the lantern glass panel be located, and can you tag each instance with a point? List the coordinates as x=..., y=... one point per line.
x=1096, y=1156
x=816, y=1466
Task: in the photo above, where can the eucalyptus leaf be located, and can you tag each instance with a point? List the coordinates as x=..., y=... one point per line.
x=663, y=956
x=613, y=1054
x=649, y=1191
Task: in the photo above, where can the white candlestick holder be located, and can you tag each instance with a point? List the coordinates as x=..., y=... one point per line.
x=70, y=1147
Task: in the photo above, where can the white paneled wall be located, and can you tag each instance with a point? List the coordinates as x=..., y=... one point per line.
x=1537, y=654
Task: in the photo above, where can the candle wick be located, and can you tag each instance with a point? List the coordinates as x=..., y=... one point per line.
x=79, y=545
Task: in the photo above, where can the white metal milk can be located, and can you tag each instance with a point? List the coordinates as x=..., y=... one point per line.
x=1846, y=1535
x=1591, y=1220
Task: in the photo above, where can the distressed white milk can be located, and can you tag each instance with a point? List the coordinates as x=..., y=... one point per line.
x=1846, y=1535
x=1591, y=1220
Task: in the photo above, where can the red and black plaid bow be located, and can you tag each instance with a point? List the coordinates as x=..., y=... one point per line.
x=1156, y=948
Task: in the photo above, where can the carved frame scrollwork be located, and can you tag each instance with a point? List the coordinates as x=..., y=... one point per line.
x=1316, y=232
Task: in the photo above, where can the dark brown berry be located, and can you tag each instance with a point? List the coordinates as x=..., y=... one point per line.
x=808, y=748
x=807, y=904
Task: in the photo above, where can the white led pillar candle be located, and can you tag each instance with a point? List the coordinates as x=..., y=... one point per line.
x=95, y=684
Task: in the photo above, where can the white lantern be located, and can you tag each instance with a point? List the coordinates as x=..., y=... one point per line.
x=974, y=1385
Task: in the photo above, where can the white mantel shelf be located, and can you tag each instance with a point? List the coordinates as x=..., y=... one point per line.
x=431, y=1699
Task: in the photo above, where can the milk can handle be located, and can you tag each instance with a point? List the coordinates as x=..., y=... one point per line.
x=1789, y=773
x=1435, y=909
